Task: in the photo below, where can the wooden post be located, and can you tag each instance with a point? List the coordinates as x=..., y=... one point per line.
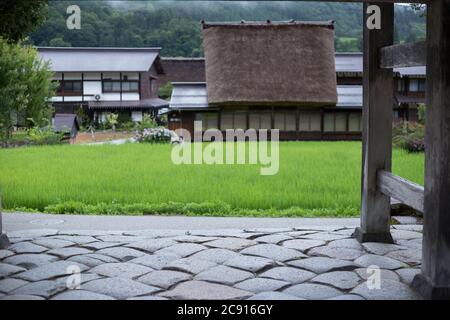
x=377, y=128
x=434, y=280
x=4, y=242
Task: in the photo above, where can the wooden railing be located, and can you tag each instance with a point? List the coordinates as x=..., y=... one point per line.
x=403, y=55
x=407, y=192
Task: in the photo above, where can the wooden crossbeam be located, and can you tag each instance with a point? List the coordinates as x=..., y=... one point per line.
x=405, y=191
x=403, y=55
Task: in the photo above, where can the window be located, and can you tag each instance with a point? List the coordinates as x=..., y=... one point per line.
x=309, y=121
x=354, y=122
x=226, y=120
x=260, y=120
x=114, y=86
x=401, y=85
x=285, y=121
x=422, y=85
x=209, y=120
x=111, y=86
x=130, y=86
x=335, y=121
x=328, y=122
x=340, y=121
x=72, y=87
x=233, y=120
x=240, y=120
x=414, y=85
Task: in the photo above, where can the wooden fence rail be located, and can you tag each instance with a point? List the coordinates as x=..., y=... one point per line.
x=405, y=191
x=403, y=55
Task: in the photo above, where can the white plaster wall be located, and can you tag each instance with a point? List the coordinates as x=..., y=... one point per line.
x=110, y=96
x=92, y=87
x=130, y=96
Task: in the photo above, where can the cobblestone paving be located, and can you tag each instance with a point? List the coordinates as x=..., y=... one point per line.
x=273, y=264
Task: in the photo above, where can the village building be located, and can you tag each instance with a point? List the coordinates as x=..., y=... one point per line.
x=126, y=81
x=105, y=80
x=284, y=80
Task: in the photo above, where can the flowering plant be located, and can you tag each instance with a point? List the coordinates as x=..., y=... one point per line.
x=154, y=135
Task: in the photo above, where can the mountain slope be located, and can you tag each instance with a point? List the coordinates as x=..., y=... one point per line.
x=175, y=25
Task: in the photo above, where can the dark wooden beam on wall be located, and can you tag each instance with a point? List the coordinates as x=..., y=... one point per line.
x=434, y=280
x=404, y=55
x=378, y=86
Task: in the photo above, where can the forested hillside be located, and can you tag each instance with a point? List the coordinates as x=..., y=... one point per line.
x=175, y=25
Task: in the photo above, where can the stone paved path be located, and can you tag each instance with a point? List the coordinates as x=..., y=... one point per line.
x=307, y=262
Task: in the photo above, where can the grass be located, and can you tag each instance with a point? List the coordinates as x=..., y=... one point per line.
x=314, y=179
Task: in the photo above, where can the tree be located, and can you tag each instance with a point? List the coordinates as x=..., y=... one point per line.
x=25, y=88
x=20, y=17
x=165, y=91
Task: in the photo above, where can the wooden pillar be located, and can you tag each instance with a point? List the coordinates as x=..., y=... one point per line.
x=4, y=242
x=377, y=128
x=434, y=280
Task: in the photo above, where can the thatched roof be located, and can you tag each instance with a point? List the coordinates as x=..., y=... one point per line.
x=270, y=63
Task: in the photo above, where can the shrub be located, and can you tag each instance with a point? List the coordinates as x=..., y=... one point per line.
x=123, y=117
x=154, y=135
x=409, y=136
x=43, y=136
x=421, y=111
x=111, y=120
x=165, y=91
x=415, y=145
x=128, y=126
x=189, y=209
x=147, y=123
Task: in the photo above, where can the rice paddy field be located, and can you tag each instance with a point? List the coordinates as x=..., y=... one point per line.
x=314, y=179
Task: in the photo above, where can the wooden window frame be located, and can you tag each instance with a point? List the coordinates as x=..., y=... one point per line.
x=65, y=92
x=104, y=81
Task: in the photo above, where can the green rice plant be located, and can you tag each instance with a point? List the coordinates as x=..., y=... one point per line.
x=314, y=179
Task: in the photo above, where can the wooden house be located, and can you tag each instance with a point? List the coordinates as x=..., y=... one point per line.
x=284, y=76
x=105, y=80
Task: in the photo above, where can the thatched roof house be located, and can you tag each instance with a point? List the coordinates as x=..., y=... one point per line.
x=268, y=63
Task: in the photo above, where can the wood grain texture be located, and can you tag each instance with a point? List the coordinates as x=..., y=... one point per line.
x=434, y=281
x=405, y=191
x=404, y=55
x=377, y=129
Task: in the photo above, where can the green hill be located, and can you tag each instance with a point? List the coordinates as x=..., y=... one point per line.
x=175, y=25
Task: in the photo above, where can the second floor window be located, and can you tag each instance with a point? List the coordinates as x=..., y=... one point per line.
x=130, y=86
x=111, y=86
x=70, y=87
x=417, y=85
x=401, y=85
x=114, y=86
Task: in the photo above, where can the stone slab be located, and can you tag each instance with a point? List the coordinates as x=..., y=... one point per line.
x=289, y=274
x=121, y=269
x=164, y=278
x=119, y=288
x=224, y=275
x=202, y=290
x=272, y=251
x=323, y=264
